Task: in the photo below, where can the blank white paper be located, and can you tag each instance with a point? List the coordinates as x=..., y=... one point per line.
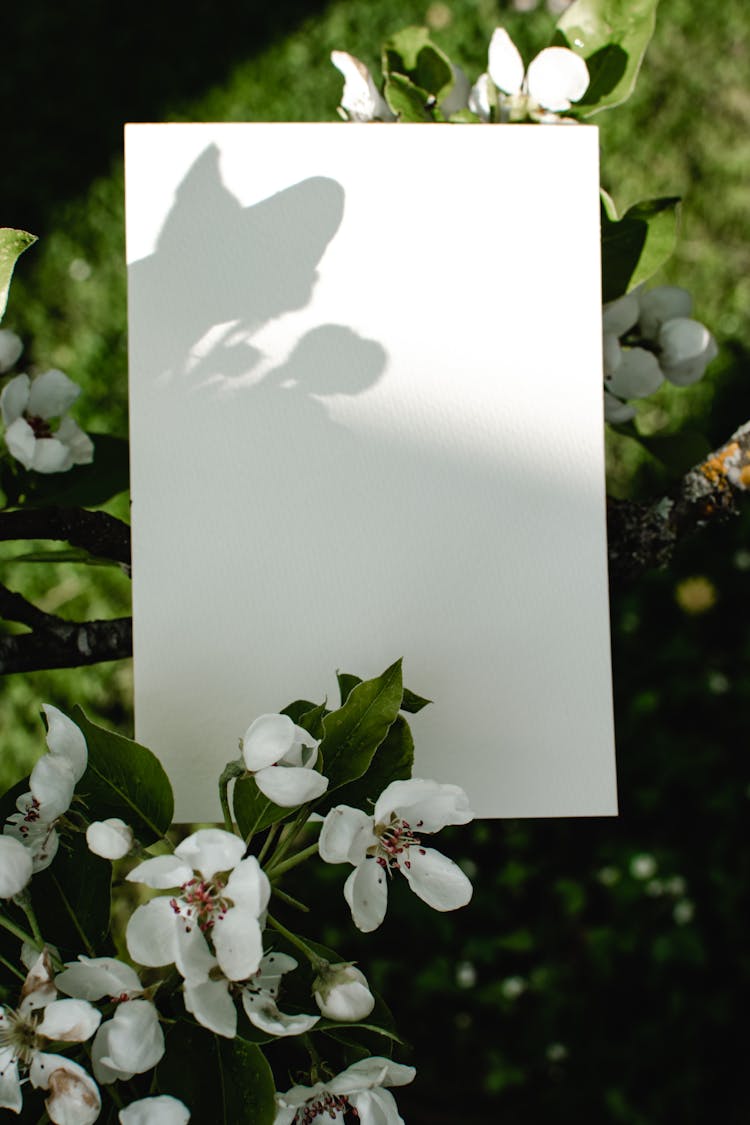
x=366, y=422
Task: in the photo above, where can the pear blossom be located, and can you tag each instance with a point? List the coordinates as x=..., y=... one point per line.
x=11, y=347
x=159, y=1110
x=342, y=993
x=259, y=998
x=281, y=757
x=214, y=917
x=555, y=79
x=360, y=100
x=74, y=1096
x=15, y=867
x=110, y=839
x=132, y=1042
x=357, y=1091
x=28, y=409
x=51, y=787
x=390, y=840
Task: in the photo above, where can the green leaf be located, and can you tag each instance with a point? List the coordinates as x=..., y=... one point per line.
x=71, y=898
x=312, y=720
x=346, y=682
x=354, y=732
x=221, y=1081
x=83, y=486
x=413, y=702
x=12, y=245
x=612, y=36
x=408, y=101
x=412, y=54
x=296, y=710
x=126, y=780
x=637, y=245
x=393, y=761
x=252, y=809
x=67, y=555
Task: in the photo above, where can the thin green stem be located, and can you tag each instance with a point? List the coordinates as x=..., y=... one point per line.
x=229, y=773
x=277, y=869
x=318, y=963
x=289, y=900
x=316, y=1068
x=14, y=929
x=25, y=904
x=273, y=832
x=291, y=833
x=12, y=968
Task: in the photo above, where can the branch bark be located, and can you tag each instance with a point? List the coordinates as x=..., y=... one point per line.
x=67, y=644
x=97, y=532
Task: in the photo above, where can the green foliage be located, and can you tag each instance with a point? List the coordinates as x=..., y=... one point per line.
x=72, y=897
x=612, y=36
x=125, y=780
x=83, y=486
x=637, y=245
x=354, y=732
x=12, y=245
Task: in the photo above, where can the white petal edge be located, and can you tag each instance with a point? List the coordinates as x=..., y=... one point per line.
x=366, y=892
x=160, y=1110
x=504, y=62
x=52, y=394
x=210, y=850
x=209, y=1001
x=345, y=836
x=435, y=879
x=556, y=78
x=290, y=786
x=267, y=740
x=66, y=740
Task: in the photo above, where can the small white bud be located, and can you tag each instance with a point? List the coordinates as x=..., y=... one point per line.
x=111, y=839
x=342, y=993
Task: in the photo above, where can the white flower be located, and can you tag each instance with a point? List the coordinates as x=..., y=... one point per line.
x=27, y=409
x=259, y=998
x=686, y=347
x=132, y=1042
x=15, y=866
x=358, y=1089
x=111, y=839
x=554, y=80
x=360, y=100
x=74, y=1097
x=52, y=784
x=208, y=908
x=391, y=839
x=11, y=347
x=342, y=993
x=160, y=1110
x=281, y=757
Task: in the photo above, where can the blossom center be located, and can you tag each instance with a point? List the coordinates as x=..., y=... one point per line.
x=394, y=841
x=202, y=902
x=335, y=1105
x=18, y=1032
x=40, y=426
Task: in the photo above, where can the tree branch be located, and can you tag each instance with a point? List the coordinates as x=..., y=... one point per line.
x=97, y=532
x=67, y=644
x=645, y=535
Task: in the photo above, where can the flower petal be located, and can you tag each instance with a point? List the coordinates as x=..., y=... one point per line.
x=366, y=892
x=366, y=1074
x=687, y=348
x=237, y=940
x=20, y=440
x=619, y=316
x=264, y=1014
x=160, y=1110
x=14, y=398
x=74, y=1097
x=505, y=64
x=426, y=805
x=65, y=740
x=79, y=444
x=611, y=353
x=376, y=1107
x=557, y=77
x=161, y=872
x=360, y=98
x=210, y=850
x=52, y=783
x=151, y=934
x=134, y=1040
x=91, y=978
x=11, y=347
x=273, y=966
x=616, y=411
x=72, y=1021
x=480, y=97
x=267, y=740
x=658, y=305
x=346, y=835
x=289, y=786
x=16, y=866
x=638, y=374
x=437, y=880
x=111, y=839
x=51, y=395
x=51, y=456
x=211, y=1004
x=248, y=886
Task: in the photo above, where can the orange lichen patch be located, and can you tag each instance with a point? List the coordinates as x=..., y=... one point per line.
x=717, y=467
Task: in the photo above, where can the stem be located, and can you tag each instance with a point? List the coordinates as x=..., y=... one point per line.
x=315, y=1060
x=25, y=903
x=293, y=831
x=14, y=929
x=273, y=832
x=277, y=869
x=12, y=968
x=318, y=963
x=289, y=899
x=229, y=773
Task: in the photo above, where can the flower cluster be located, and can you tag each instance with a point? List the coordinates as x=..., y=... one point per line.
x=29, y=409
x=648, y=337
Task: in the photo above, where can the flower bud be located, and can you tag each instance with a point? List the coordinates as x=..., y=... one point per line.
x=10, y=349
x=15, y=866
x=111, y=839
x=687, y=348
x=341, y=993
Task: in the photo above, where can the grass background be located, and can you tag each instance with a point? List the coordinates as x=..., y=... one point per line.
x=574, y=985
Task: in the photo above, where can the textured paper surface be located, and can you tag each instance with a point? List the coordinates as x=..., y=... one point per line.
x=366, y=423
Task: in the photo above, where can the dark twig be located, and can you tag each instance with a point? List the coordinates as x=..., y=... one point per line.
x=14, y=607
x=97, y=532
x=68, y=644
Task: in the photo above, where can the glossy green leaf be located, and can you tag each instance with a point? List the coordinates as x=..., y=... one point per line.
x=221, y=1081
x=125, y=780
x=71, y=898
x=408, y=102
x=346, y=682
x=413, y=702
x=393, y=761
x=252, y=809
x=354, y=732
x=12, y=245
x=637, y=245
x=612, y=36
x=312, y=720
x=296, y=710
x=411, y=53
x=83, y=486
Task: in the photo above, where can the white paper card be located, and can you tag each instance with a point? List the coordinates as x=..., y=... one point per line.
x=366, y=422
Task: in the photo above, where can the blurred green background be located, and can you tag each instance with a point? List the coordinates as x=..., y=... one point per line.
x=598, y=974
